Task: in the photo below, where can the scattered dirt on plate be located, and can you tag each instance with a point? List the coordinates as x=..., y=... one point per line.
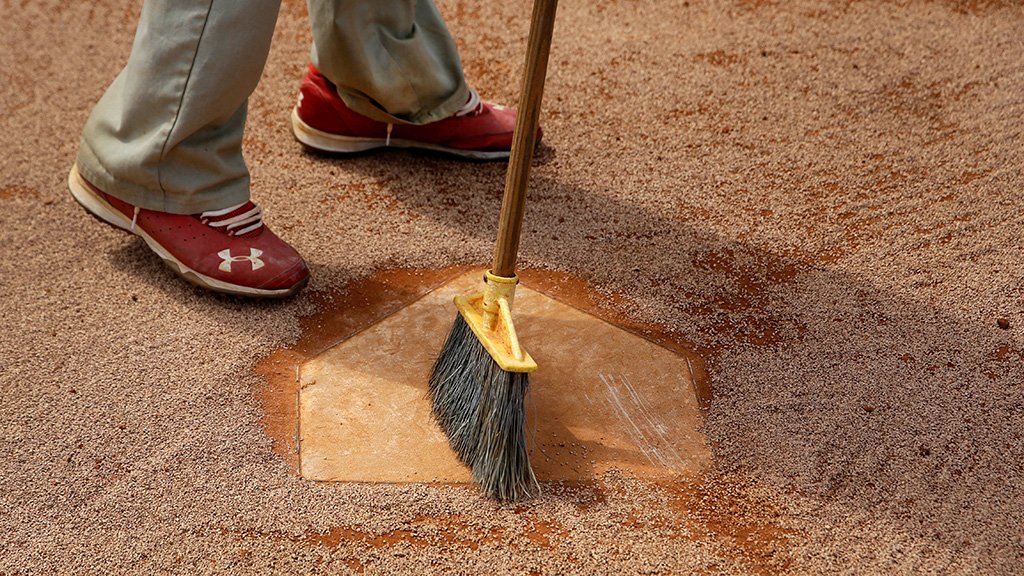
x=361, y=304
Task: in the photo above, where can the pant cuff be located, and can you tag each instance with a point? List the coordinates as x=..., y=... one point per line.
x=93, y=171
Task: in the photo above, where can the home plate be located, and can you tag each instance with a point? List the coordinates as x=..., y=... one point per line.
x=602, y=399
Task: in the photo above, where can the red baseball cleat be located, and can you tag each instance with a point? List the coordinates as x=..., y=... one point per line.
x=228, y=250
x=321, y=120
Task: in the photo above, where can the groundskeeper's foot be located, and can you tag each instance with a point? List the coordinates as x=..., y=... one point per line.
x=229, y=250
x=321, y=120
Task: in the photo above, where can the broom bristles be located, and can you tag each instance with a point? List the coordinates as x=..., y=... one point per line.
x=480, y=407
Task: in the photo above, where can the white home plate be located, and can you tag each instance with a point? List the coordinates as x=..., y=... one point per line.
x=602, y=399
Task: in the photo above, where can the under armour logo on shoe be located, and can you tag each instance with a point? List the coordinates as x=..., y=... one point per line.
x=253, y=258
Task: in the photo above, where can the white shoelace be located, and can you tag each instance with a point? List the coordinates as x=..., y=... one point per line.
x=472, y=106
x=236, y=225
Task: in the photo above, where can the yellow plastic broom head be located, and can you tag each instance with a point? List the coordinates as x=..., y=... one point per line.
x=489, y=315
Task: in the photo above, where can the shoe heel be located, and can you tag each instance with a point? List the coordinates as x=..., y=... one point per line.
x=333, y=143
x=92, y=203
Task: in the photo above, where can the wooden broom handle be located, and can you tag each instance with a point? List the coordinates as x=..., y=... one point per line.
x=514, y=202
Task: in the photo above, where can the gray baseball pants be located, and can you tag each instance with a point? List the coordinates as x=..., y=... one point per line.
x=167, y=134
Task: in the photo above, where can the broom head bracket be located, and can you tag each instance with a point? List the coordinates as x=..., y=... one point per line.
x=489, y=315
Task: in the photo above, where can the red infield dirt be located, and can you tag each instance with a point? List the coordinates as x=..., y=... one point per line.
x=823, y=200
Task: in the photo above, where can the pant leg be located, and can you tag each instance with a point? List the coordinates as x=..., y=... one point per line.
x=392, y=60
x=167, y=134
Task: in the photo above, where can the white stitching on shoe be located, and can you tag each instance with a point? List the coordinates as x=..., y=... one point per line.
x=135, y=218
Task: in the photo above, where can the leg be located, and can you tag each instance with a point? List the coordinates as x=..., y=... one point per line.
x=386, y=73
x=161, y=154
x=391, y=60
x=167, y=134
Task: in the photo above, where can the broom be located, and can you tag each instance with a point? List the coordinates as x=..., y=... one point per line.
x=479, y=382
